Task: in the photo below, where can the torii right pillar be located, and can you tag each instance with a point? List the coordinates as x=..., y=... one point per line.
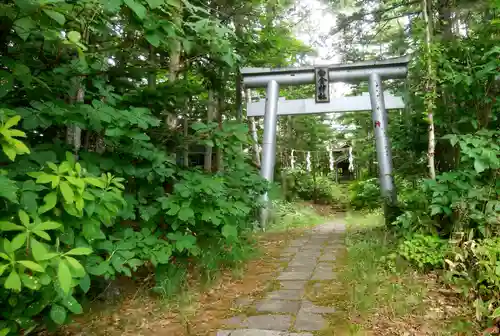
x=382, y=142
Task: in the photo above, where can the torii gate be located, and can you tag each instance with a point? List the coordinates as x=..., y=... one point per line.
x=373, y=71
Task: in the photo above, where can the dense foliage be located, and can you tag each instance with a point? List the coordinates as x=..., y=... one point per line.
x=122, y=144
x=449, y=221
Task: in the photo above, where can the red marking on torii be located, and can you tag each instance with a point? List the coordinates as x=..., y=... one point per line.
x=377, y=124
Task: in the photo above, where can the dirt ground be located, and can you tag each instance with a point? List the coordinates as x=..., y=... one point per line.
x=138, y=313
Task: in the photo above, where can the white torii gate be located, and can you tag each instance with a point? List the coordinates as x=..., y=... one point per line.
x=373, y=71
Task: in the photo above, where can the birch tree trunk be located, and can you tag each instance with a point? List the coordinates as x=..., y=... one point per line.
x=175, y=60
x=253, y=131
x=73, y=132
x=430, y=89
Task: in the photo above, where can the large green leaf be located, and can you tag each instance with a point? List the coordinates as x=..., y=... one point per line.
x=67, y=192
x=38, y=250
x=153, y=39
x=58, y=314
x=92, y=231
x=13, y=281
x=48, y=225
x=35, y=308
x=42, y=234
x=56, y=16
x=95, y=182
x=18, y=241
x=85, y=283
x=50, y=202
x=229, y=231
x=8, y=189
x=72, y=305
x=64, y=276
x=30, y=282
x=78, y=270
x=112, y=6
x=8, y=226
x=479, y=166
x=185, y=214
x=155, y=3
x=23, y=74
x=24, y=217
x=29, y=202
x=3, y=268
x=74, y=36
x=80, y=251
x=32, y=265
x=24, y=26
x=137, y=8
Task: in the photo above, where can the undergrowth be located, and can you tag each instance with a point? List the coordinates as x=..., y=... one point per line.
x=378, y=291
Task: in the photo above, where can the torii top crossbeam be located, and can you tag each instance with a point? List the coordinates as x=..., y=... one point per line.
x=350, y=72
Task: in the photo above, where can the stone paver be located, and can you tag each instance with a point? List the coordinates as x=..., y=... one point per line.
x=310, y=258
x=301, y=268
x=327, y=257
x=286, y=294
x=310, y=322
x=309, y=307
x=277, y=306
x=295, y=276
x=258, y=332
x=270, y=322
x=323, y=275
x=293, y=284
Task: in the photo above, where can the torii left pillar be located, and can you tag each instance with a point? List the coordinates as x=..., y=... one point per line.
x=269, y=144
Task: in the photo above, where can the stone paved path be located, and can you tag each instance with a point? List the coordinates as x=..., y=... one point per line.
x=285, y=311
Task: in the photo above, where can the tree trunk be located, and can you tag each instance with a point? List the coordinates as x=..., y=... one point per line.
x=152, y=74
x=175, y=60
x=73, y=132
x=210, y=118
x=218, y=153
x=253, y=131
x=430, y=94
x=238, y=27
x=185, y=128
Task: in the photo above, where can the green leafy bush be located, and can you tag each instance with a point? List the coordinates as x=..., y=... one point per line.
x=50, y=225
x=424, y=251
x=318, y=188
x=473, y=270
x=365, y=194
x=60, y=227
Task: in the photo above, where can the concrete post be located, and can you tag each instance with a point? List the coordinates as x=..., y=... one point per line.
x=269, y=142
x=384, y=154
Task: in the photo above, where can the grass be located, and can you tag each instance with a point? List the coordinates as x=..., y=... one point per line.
x=379, y=294
x=290, y=216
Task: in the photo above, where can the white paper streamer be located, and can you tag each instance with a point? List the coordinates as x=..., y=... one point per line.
x=351, y=160
x=330, y=157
